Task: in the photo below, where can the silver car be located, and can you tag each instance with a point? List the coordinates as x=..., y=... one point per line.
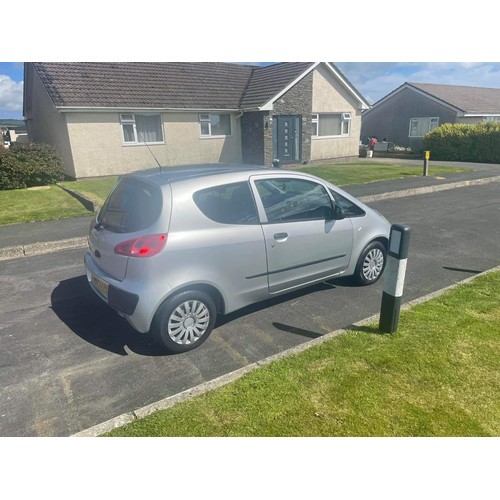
x=171, y=249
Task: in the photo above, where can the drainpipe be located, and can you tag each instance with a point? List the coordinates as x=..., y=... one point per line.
x=240, y=152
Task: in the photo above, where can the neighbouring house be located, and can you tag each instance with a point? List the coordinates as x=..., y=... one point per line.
x=8, y=136
x=405, y=115
x=108, y=118
x=19, y=136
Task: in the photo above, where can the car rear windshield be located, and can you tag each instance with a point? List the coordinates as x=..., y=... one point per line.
x=132, y=206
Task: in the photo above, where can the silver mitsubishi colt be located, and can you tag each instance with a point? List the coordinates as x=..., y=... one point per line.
x=172, y=248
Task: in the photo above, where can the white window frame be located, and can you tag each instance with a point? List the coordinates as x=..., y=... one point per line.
x=429, y=127
x=209, y=122
x=129, y=119
x=345, y=120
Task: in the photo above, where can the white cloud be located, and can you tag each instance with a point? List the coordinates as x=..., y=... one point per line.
x=11, y=96
x=376, y=80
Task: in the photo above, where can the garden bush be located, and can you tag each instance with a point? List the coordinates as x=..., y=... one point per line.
x=478, y=142
x=29, y=165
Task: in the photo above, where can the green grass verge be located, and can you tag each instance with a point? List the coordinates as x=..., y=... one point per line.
x=29, y=205
x=361, y=173
x=21, y=205
x=95, y=190
x=51, y=202
x=439, y=375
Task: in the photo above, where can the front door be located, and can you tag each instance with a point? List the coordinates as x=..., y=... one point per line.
x=287, y=135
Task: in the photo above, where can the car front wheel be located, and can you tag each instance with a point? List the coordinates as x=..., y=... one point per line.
x=371, y=264
x=184, y=321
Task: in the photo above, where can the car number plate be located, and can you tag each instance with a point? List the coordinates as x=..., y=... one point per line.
x=102, y=286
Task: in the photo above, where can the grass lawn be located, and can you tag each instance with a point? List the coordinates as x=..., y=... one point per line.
x=439, y=375
x=95, y=190
x=39, y=204
x=361, y=173
x=25, y=206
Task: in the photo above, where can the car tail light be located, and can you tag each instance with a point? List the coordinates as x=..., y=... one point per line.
x=143, y=246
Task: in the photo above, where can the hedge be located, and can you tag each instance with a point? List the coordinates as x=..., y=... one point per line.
x=478, y=142
x=29, y=165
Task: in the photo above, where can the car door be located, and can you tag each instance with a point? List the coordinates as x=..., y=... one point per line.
x=304, y=243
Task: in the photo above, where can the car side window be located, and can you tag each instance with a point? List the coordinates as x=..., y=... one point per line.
x=348, y=207
x=228, y=203
x=288, y=199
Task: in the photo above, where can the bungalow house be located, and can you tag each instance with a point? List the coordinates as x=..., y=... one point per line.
x=110, y=118
x=405, y=115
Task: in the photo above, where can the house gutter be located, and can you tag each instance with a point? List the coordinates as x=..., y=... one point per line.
x=478, y=115
x=121, y=109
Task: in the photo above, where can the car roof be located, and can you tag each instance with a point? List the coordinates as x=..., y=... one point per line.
x=163, y=175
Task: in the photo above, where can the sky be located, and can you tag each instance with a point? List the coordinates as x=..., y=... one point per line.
x=11, y=90
x=400, y=42
x=373, y=79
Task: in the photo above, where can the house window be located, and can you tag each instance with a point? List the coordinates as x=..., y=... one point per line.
x=491, y=119
x=420, y=126
x=215, y=125
x=139, y=129
x=331, y=125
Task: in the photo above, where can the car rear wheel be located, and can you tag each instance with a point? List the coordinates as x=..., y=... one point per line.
x=371, y=264
x=184, y=321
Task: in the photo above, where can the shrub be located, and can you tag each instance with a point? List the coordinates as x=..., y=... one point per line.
x=478, y=142
x=30, y=165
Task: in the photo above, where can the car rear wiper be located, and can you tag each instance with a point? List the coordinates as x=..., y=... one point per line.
x=114, y=229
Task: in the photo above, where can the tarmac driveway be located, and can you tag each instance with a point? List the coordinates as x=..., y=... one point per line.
x=67, y=362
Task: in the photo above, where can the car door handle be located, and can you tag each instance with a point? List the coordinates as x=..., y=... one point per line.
x=281, y=236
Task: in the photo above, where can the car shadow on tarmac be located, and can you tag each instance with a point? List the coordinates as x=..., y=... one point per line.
x=86, y=315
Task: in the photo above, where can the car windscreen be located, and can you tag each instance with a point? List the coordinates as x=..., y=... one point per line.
x=133, y=205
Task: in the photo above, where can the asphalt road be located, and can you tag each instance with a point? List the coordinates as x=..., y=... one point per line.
x=67, y=362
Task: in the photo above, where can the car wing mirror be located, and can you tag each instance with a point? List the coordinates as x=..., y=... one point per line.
x=336, y=213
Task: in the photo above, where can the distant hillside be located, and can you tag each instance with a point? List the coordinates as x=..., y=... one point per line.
x=9, y=123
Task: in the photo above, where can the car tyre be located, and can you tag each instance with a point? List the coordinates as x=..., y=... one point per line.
x=371, y=264
x=184, y=321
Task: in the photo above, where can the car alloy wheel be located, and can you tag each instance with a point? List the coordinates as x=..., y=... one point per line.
x=188, y=322
x=184, y=321
x=373, y=264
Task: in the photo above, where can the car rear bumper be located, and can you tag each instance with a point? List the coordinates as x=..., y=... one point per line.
x=111, y=291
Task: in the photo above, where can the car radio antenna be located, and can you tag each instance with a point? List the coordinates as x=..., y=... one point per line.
x=149, y=149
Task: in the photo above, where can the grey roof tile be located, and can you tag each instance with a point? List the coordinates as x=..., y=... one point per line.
x=177, y=85
x=268, y=81
x=151, y=85
x=479, y=100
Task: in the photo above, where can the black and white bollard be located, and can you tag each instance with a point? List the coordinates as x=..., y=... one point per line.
x=394, y=278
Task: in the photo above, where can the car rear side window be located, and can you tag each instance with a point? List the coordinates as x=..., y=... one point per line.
x=133, y=205
x=228, y=204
